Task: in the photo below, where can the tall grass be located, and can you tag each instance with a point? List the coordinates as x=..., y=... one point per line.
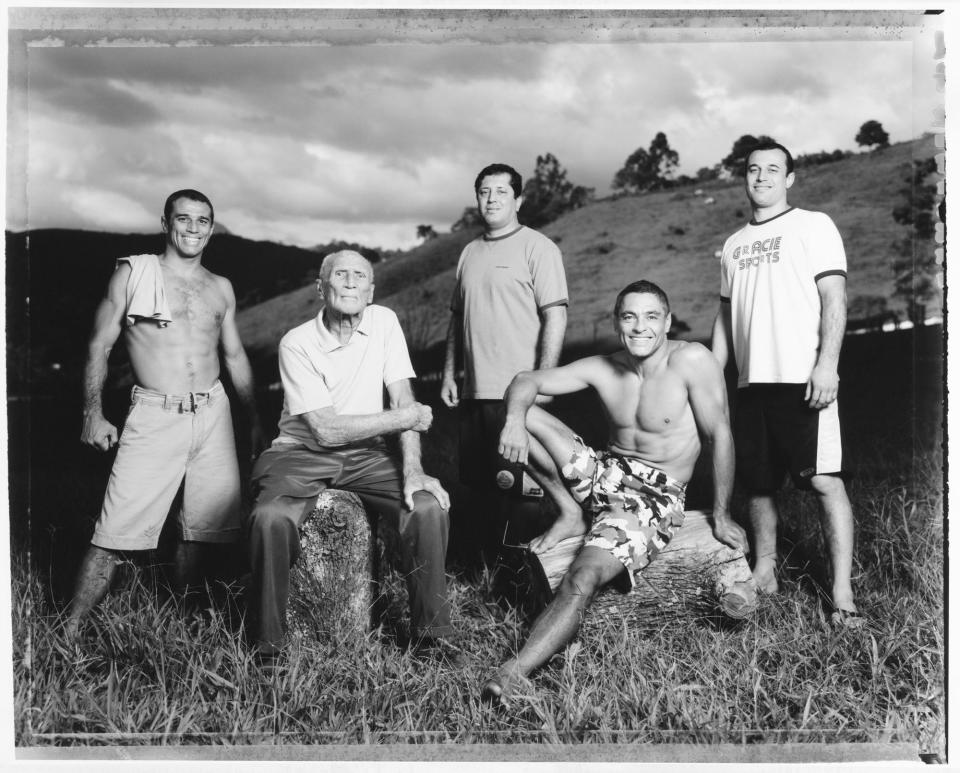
x=153, y=669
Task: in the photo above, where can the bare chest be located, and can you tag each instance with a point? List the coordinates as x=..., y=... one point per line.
x=195, y=303
x=658, y=404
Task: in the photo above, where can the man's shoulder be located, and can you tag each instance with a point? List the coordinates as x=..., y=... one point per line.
x=537, y=238
x=813, y=216
x=736, y=235
x=380, y=317
x=137, y=261
x=687, y=353
x=221, y=282
x=301, y=334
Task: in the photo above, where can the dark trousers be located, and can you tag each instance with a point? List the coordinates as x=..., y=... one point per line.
x=288, y=479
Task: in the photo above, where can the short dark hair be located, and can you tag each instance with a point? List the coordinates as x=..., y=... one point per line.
x=186, y=193
x=641, y=286
x=768, y=145
x=516, y=181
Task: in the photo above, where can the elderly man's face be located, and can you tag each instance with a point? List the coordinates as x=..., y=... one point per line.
x=349, y=288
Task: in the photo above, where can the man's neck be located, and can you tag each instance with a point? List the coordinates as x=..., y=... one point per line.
x=762, y=214
x=177, y=263
x=341, y=326
x=496, y=233
x=645, y=366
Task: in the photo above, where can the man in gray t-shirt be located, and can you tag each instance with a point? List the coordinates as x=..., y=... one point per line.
x=509, y=314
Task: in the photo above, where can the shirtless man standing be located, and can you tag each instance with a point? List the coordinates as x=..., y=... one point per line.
x=175, y=315
x=662, y=399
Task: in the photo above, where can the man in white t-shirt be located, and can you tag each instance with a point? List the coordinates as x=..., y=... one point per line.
x=783, y=310
x=334, y=369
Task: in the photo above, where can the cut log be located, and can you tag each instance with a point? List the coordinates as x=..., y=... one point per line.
x=335, y=582
x=695, y=575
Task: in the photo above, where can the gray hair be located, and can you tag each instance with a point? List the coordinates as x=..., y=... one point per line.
x=326, y=266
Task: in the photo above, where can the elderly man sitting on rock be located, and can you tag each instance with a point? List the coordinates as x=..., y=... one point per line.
x=334, y=368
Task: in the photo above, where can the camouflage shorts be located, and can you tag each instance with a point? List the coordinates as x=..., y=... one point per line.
x=636, y=508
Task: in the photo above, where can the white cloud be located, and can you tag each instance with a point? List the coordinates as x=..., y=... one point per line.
x=305, y=144
x=107, y=209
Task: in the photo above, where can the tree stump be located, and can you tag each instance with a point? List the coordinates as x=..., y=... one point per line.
x=334, y=584
x=695, y=575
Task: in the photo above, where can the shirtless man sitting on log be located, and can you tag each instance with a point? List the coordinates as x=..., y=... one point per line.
x=662, y=399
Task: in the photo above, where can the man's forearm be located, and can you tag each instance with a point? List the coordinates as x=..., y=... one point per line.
x=723, y=471
x=552, y=330
x=241, y=376
x=453, y=340
x=833, y=323
x=340, y=430
x=94, y=377
x=410, y=453
x=520, y=395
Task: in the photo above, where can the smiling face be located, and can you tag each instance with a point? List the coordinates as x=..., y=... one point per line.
x=642, y=324
x=767, y=180
x=497, y=204
x=348, y=287
x=188, y=228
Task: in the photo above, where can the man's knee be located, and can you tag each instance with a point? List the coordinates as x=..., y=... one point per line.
x=581, y=580
x=273, y=518
x=427, y=513
x=828, y=485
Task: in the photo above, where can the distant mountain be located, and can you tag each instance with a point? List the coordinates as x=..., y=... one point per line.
x=670, y=237
x=56, y=277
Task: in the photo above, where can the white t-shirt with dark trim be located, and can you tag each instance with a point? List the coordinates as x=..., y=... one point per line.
x=503, y=284
x=318, y=371
x=769, y=274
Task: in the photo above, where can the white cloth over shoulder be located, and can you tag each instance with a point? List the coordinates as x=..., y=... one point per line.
x=146, y=298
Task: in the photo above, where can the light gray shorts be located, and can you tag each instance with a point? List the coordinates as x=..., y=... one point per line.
x=168, y=440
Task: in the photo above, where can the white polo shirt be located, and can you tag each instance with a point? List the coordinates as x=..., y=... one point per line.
x=319, y=372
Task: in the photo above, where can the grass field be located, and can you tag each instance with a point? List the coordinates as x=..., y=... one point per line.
x=156, y=671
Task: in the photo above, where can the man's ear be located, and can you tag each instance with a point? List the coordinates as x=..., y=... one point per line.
x=370, y=295
x=163, y=224
x=666, y=328
x=789, y=180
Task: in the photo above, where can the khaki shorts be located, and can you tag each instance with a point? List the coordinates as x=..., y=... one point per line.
x=636, y=508
x=168, y=440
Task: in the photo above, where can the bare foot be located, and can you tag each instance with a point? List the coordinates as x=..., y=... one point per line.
x=570, y=524
x=499, y=688
x=765, y=575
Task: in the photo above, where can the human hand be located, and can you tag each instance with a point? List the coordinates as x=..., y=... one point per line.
x=514, y=442
x=729, y=532
x=98, y=432
x=822, y=387
x=423, y=417
x=420, y=481
x=449, y=392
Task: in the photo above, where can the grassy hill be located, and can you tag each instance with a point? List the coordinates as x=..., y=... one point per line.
x=669, y=237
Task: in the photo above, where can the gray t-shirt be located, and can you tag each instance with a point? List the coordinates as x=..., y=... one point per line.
x=502, y=286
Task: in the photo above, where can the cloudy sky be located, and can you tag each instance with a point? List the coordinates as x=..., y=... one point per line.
x=306, y=143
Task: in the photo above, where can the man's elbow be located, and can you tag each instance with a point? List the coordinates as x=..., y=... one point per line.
x=328, y=437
